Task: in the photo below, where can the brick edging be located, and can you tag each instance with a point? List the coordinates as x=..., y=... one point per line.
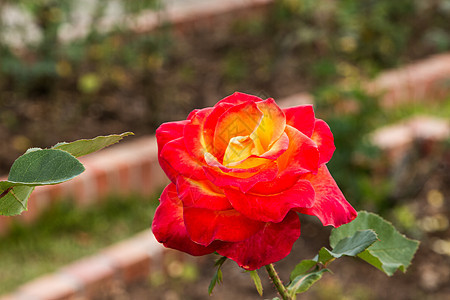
x=120, y=264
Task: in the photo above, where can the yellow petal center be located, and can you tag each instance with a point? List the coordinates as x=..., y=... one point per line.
x=238, y=149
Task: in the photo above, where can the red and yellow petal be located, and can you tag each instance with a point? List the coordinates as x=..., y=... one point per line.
x=201, y=194
x=169, y=131
x=323, y=137
x=272, y=208
x=209, y=126
x=239, y=98
x=175, y=160
x=277, y=148
x=239, y=149
x=239, y=120
x=301, y=117
x=205, y=225
x=330, y=205
x=279, y=184
x=302, y=156
x=271, y=244
x=272, y=123
x=168, y=225
x=241, y=178
x=193, y=134
x=253, y=161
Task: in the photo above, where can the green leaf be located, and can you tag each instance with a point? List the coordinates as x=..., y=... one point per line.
x=302, y=283
x=217, y=278
x=324, y=256
x=84, y=147
x=391, y=252
x=348, y=246
x=13, y=199
x=303, y=267
x=257, y=282
x=355, y=244
x=45, y=166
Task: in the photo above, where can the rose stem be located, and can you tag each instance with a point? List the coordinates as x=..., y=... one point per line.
x=277, y=282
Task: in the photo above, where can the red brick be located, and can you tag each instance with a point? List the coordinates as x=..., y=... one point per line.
x=94, y=274
x=38, y=202
x=102, y=183
x=50, y=287
x=296, y=99
x=83, y=190
x=146, y=176
x=131, y=258
x=124, y=184
x=430, y=128
x=417, y=82
x=5, y=223
x=11, y=297
x=393, y=139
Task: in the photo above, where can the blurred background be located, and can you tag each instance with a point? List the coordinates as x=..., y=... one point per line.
x=78, y=69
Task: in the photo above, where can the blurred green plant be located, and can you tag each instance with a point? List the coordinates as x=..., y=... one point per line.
x=373, y=35
x=39, y=65
x=79, y=232
x=353, y=115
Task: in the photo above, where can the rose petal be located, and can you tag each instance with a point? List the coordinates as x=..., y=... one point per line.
x=323, y=137
x=272, y=124
x=239, y=98
x=239, y=149
x=175, y=160
x=194, y=134
x=239, y=120
x=279, y=184
x=167, y=132
x=210, y=125
x=168, y=225
x=205, y=225
x=272, y=208
x=242, y=179
x=302, y=155
x=301, y=117
x=271, y=244
x=330, y=205
x=201, y=194
x=278, y=148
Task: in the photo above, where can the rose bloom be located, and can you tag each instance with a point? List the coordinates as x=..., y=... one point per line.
x=240, y=172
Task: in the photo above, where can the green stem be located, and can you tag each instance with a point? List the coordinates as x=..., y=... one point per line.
x=278, y=284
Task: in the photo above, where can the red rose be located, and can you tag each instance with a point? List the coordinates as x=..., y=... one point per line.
x=240, y=172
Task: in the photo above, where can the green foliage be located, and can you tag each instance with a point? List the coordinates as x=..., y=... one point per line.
x=45, y=167
x=53, y=60
x=350, y=245
x=13, y=199
x=352, y=115
x=218, y=277
x=257, y=281
x=391, y=252
x=85, y=147
x=368, y=237
x=371, y=34
x=303, y=267
x=309, y=271
x=303, y=282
